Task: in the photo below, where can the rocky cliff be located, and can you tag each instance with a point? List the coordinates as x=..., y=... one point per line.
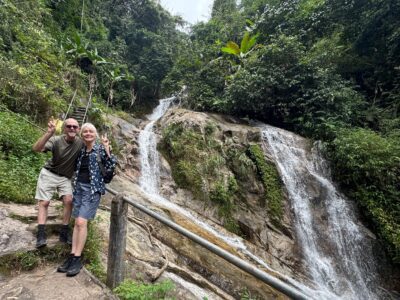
x=211, y=167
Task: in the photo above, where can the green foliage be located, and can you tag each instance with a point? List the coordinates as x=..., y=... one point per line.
x=131, y=290
x=18, y=163
x=276, y=84
x=231, y=48
x=368, y=167
x=246, y=295
x=220, y=172
x=206, y=90
x=245, y=45
x=271, y=181
x=198, y=163
x=79, y=51
x=92, y=251
x=242, y=165
x=149, y=42
x=373, y=158
x=223, y=8
x=25, y=261
x=223, y=194
x=187, y=175
x=192, y=163
x=31, y=65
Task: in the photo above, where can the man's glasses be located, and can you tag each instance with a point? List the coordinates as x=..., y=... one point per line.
x=72, y=126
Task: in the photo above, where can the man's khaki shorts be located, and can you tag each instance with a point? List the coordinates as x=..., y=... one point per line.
x=50, y=183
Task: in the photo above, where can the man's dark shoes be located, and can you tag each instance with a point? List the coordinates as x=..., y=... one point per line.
x=41, y=237
x=65, y=235
x=75, y=266
x=64, y=267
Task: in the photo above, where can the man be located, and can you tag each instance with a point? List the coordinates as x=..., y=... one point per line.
x=56, y=175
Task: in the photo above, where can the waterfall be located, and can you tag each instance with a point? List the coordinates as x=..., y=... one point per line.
x=149, y=182
x=336, y=252
x=149, y=160
x=335, y=263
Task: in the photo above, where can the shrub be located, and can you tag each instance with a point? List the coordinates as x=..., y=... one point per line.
x=92, y=251
x=18, y=163
x=131, y=290
x=368, y=167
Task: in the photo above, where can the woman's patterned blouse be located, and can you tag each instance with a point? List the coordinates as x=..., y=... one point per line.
x=96, y=177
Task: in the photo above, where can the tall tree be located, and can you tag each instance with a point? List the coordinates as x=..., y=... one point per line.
x=223, y=9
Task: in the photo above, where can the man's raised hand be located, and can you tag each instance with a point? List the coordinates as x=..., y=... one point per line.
x=51, y=125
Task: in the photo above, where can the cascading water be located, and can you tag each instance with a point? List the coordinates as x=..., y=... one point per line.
x=150, y=171
x=335, y=250
x=149, y=159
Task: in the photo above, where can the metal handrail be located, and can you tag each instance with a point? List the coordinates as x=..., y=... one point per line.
x=243, y=265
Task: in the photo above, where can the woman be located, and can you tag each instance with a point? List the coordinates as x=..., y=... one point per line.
x=88, y=188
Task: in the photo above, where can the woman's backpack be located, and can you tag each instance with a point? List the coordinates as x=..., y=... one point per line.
x=108, y=173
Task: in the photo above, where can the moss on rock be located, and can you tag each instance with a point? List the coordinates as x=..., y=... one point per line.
x=220, y=168
x=271, y=182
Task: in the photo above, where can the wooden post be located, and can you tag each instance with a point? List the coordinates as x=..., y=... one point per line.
x=117, y=241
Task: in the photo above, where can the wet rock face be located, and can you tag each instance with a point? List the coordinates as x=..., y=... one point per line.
x=125, y=135
x=250, y=214
x=273, y=244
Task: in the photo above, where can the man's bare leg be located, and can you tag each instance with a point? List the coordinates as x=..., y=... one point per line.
x=67, y=199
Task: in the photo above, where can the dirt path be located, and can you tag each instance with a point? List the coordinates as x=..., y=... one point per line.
x=47, y=283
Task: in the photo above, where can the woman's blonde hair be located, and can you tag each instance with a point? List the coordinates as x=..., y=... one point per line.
x=89, y=125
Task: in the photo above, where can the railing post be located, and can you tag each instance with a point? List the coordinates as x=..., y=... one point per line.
x=117, y=241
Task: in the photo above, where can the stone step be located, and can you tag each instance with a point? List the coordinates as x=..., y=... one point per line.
x=52, y=241
x=28, y=213
x=19, y=226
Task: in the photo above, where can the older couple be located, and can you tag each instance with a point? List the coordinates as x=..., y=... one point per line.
x=72, y=155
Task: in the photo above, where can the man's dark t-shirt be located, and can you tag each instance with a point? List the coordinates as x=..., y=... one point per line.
x=64, y=155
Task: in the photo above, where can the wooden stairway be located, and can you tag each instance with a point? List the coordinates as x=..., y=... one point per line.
x=78, y=114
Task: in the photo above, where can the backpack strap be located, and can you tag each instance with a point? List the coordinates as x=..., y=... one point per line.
x=100, y=163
